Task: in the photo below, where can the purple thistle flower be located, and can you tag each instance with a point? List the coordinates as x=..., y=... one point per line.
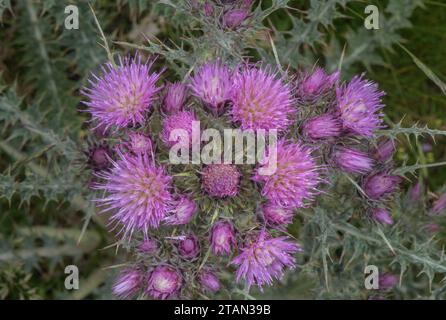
x=175, y=98
x=123, y=94
x=416, y=191
x=222, y=238
x=439, y=205
x=385, y=150
x=382, y=216
x=314, y=85
x=387, y=281
x=208, y=8
x=277, y=216
x=100, y=131
x=138, y=193
x=220, y=180
x=148, y=246
x=381, y=185
x=99, y=157
x=352, y=160
x=181, y=120
x=322, y=127
x=209, y=281
x=139, y=143
x=128, y=283
x=295, y=179
x=426, y=147
x=359, y=105
x=261, y=100
x=189, y=247
x=183, y=212
x=432, y=228
x=164, y=282
x=264, y=258
x=212, y=83
x=234, y=18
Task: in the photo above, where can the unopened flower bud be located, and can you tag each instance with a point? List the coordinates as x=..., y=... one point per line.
x=164, y=282
x=222, y=238
x=184, y=211
x=352, y=160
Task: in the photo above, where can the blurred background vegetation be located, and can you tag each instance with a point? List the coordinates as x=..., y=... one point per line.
x=44, y=205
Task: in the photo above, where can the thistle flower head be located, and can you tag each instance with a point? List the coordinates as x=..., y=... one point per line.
x=128, y=283
x=387, y=281
x=209, y=281
x=208, y=8
x=322, y=127
x=164, y=282
x=381, y=185
x=316, y=84
x=189, y=247
x=212, y=83
x=432, y=228
x=181, y=122
x=222, y=238
x=123, y=94
x=385, y=150
x=261, y=100
x=277, y=216
x=359, y=105
x=99, y=156
x=220, y=180
x=295, y=180
x=382, y=216
x=148, y=246
x=439, y=205
x=174, y=98
x=234, y=17
x=139, y=143
x=352, y=160
x=183, y=211
x=138, y=193
x=264, y=258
